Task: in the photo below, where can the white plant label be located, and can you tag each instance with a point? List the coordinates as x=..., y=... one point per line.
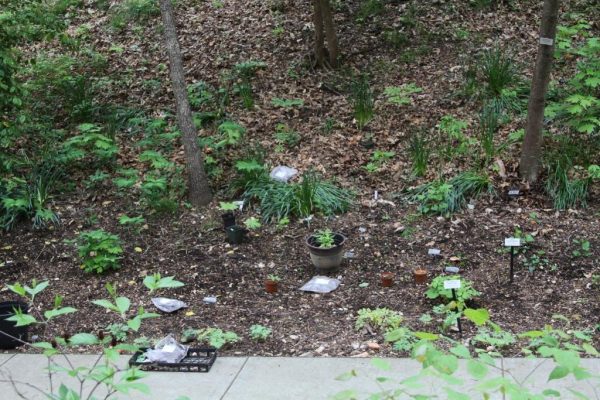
x=513, y=192
x=452, y=284
x=546, y=41
x=512, y=242
x=434, y=252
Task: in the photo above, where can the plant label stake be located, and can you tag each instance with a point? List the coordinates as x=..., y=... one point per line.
x=452, y=270
x=514, y=193
x=512, y=243
x=454, y=284
x=434, y=252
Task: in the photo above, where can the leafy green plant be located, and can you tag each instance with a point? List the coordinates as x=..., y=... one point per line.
x=401, y=95
x=495, y=337
x=248, y=69
x=91, y=141
x=488, y=125
x=325, y=238
x=285, y=136
x=444, y=198
x=583, y=248
x=252, y=223
x=136, y=222
x=287, y=103
x=403, y=339
x=566, y=183
x=378, y=159
x=231, y=134
x=465, y=293
x=227, y=206
x=133, y=10
x=217, y=338
x=456, y=140
x=127, y=178
x=99, y=251
x=156, y=281
x=362, y=101
x=244, y=90
x=378, y=318
x=273, y=277
x=260, y=333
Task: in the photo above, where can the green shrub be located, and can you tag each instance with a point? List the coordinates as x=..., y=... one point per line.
x=446, y=197
x=498, y=70
x=133, y=10
x=463, y=294
x=99, y=251
x=90, y=142
x=378, y=318
x=419, y=153
x=260, y=333
x=217, y=337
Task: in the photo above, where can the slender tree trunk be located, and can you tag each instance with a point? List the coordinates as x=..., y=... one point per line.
x=198, y=186
x=332, y=43
x=532, y=144
x=319, y=36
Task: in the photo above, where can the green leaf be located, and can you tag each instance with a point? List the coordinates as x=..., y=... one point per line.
x=477, y=369
x=558, y=372
x=551, y=393
x=589, y=349
x=83, y=339
x=479, y=316
x=18, y=289
x=135, y=323
x=60, y=311
x=123, y=304
x=461, y=351
x=106, y=304
x=21, y=319
x=381, y=364
x=426, y=335
x=454, y=395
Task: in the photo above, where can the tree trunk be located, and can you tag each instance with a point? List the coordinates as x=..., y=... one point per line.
x=532, y=144
x=198, y=186
x=332, y=43
x=319, y=37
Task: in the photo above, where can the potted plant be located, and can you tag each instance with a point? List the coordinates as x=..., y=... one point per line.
x=325, y=249
x=387, y=279
x=228, y=216
x=11, y=336
x=420, y=276
x=271, y=283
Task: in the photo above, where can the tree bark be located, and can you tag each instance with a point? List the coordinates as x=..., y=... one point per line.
x=332, y=43
x=199, y=192
x=531, y=153
x=319, y=36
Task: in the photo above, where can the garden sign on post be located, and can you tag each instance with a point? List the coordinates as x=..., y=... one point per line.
x=454, y=284
x=512, y=243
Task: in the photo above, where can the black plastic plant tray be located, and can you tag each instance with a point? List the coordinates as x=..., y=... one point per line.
x=196, y=360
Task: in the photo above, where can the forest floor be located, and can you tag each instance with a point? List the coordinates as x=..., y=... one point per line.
x=443, y=39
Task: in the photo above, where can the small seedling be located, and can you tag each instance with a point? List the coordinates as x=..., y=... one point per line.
x=287, y=103
x=155, y=281
x=259, y=333
x=325, y=238
x=252, y=223
x=584, y=248
x=273, y=278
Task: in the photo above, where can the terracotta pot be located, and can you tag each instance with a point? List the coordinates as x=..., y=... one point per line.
x=387, y=279
x=420, y=276
x=271, y=286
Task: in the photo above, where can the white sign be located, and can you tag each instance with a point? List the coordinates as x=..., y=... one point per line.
x=434, y=252
x=512, y=242
x=452, y=270
x=514, y=192
x=546, y=41
x=452, y=284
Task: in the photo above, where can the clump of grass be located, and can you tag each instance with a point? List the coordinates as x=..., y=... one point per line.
x=362, y=101
x=278, y=200
x=498, y=70
x=419, y=153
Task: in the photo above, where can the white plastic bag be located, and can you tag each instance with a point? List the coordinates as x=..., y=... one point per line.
x=321, y=284
x=168, y=305
x=282, y=173
x=167, y=351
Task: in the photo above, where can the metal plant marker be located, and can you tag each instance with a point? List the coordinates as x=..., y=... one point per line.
x=454, y=284
x=512, y=243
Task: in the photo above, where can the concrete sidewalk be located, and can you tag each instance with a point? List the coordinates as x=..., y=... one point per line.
x=281, y=378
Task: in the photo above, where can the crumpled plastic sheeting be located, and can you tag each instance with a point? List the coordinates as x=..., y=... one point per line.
x=282, y=173
x=167, y=351
x=321, y=284
x=168, y=305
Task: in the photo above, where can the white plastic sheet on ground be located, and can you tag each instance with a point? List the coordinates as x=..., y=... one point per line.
x=282, y=173
x=321, y=284
x=167, y=351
